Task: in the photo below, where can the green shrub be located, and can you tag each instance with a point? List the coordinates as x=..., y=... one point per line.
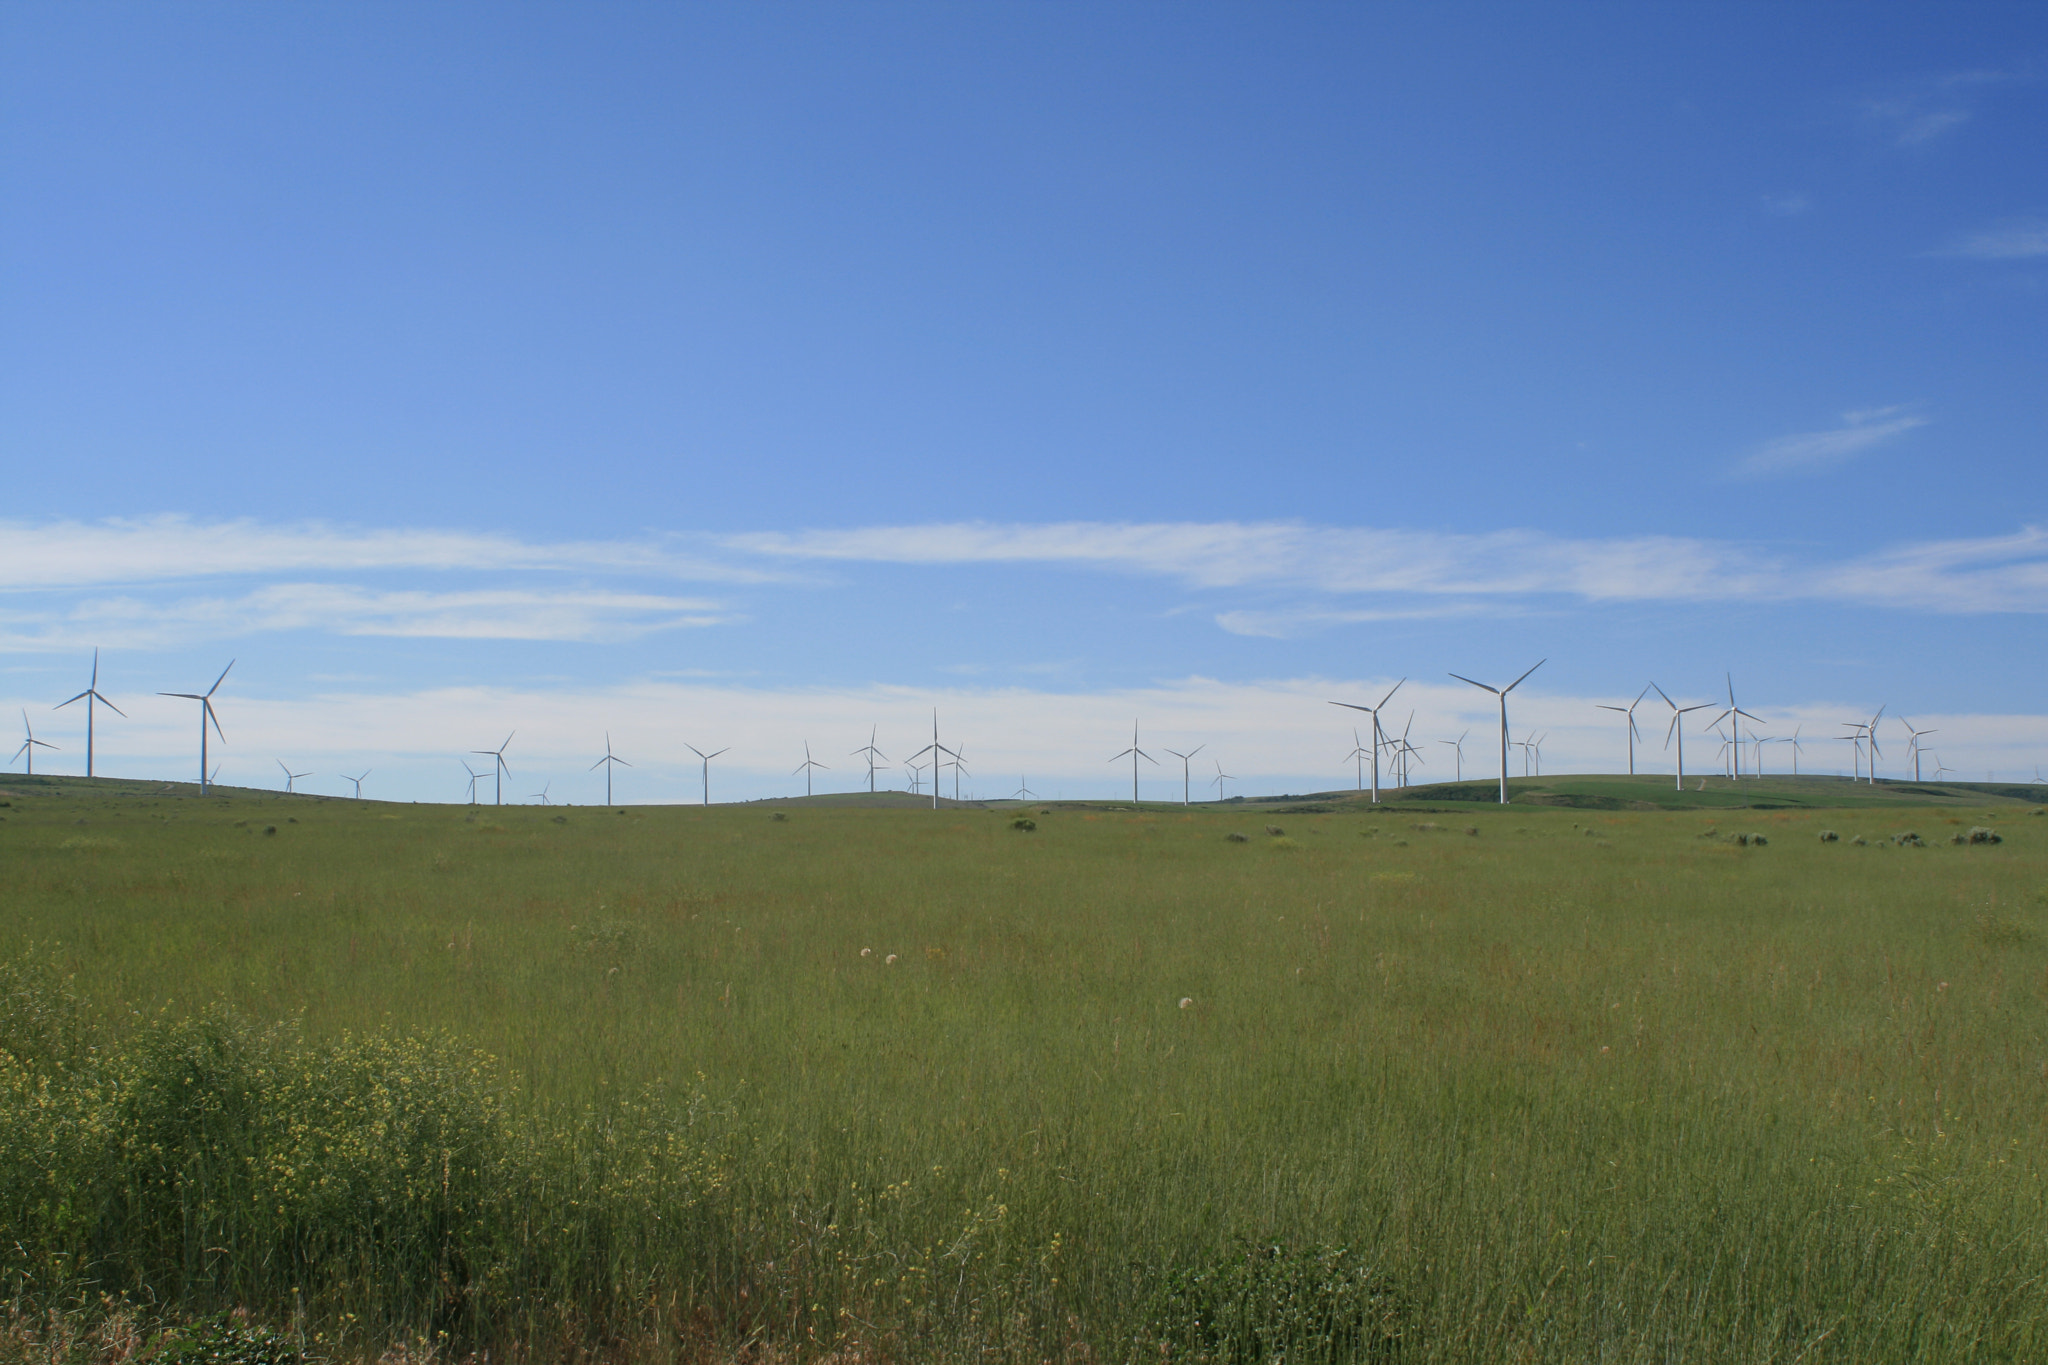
x=1258, y=1303
x=1024, y=823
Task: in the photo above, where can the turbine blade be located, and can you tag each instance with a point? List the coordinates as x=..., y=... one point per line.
x=222, y=678
x=1518, y=682
x=1463, y=679
x=80, y=697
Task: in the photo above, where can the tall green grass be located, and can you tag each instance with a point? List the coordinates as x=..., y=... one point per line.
x=1577, y=1088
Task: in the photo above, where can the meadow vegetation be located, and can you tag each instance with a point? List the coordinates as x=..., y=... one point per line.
x=1515, y=1084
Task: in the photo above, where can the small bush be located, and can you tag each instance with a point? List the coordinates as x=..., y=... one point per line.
x=1709, y=833
x=1024, y=823
x=1472, y=830
x=559, y=819
x=1908, y=839
x=1982, y=834
x=1860, y=841
x=226, y=1339
x=270, y=829
x=778, y=815
x=1275, y=831
x=1994, y=932
x=1828, y=836
x=1236, y=838
x=1751, y=840
x=1260, y=1303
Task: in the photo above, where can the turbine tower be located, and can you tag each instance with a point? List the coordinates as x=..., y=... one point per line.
x=30, y=745
x=1502, y=693
x=499, y=766
x=938, y=751
x=1634, y=734
x=1458, y=745
x=1678, y=728
x=290, y=777
x=807, y=767
x=869, y=752
x=707, y=766
x=1184, y=757
x=206, y=715
x=606, y=763
x=1134, y=753
x=1734, y=724
x=358, y=781
x=1379, y=736
x=90, y=696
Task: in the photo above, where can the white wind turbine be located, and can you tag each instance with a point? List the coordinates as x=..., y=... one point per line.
x=916, y=771
x=939, y=753
x=1184, y=757
x=1939, y=770
x=499, y=766
x=1458, y=745
x=290, y=777
x=606, y=763
x=30, y=745
x=958, y=765
x=1134, y=753
x=206, y=715
x=474, y=778
x=1358, y=755
x=89, y=697
x=807, y=767
x=1502, y=693
x=1023, y=792
x=1528, y=749
x=1797, y=747
x=358, y=781
x=1536, y=747
x=1734, y=724
x=869, y=752
x=1379, y=736
x=707, y=766
x=1629, y=712
x=1220, y=778
x=1875, y=752
x=542, y=795
x=1678, y=728
x=1913, y=747
x=1855, y=737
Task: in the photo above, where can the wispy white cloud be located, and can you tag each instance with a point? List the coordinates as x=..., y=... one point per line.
x=1921, y=112
x=2013, y=241
x=1789, y=205
x=569, y=615
x=154, y=549
x=1808, y=451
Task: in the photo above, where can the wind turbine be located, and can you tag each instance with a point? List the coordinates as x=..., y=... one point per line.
x=1358, y=754
x=808, y=766
x=1378, y=735
x=1459, y=745
x=1023, y=793
x=474, y=778
x=1876, y=753
x=871, y=753
x=1913, y=747
x=1734, y=724
x=542, y=795
x=290, y=777
x=1525, y=746
x=1797, y=747
x=916, y=772
x=205, y=700
x=958, y=765
x=1536, y=747
x=1502, y=693
x=90, y=696
x=938, y=752
x=606, y=763
x=499, y=766
x=1184, y=757
x=1629, y=711
x=30, y=745
x=707, y=766
x=1409, y=751
x=358, y=781
x=1220, y=778
x=1403, y=750
x=1134, y=753
x=1678, y=728
x=1939, y=770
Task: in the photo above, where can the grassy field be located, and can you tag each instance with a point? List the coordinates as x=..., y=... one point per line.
x=1530, y=1083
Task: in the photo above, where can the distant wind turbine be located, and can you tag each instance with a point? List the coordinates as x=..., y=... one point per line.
x=358, y=781
x=542, y=795
x=1502, y=693
x=1184, y=757
x=1913, y=747
x=707, y=766
x=1134, y=753
x=1023, y=792
x=474, y=778
x=958, y=765
x=1939, y=770
x=606, y=763
x=916, y=771
x=90, y=696
x=869, y=752
x=206, y=716
x=290, y=777
x=499, y=766
x=939, y=753
x=1220, y=778
x=1629, y=712
x=1797, y=748
x=1733, y=715
x=30, y=745
x=1379, y=736
x=1678, y=729
x=806, y=767
x=1457, y=744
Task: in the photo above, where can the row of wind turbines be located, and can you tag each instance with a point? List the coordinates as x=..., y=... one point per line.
x=938, y=756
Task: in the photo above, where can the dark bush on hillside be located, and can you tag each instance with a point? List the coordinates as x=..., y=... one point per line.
x=1024, y=823
x=1236, y=838
x=1828, y=836
x=1275, y=831
x=1979, y=834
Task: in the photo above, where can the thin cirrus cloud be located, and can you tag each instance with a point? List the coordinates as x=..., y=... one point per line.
x=153, y=549
x=2014, y=241
x=1807, y=452
x=493, y=614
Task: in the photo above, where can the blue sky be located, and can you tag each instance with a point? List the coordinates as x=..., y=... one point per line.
x=749, y=374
